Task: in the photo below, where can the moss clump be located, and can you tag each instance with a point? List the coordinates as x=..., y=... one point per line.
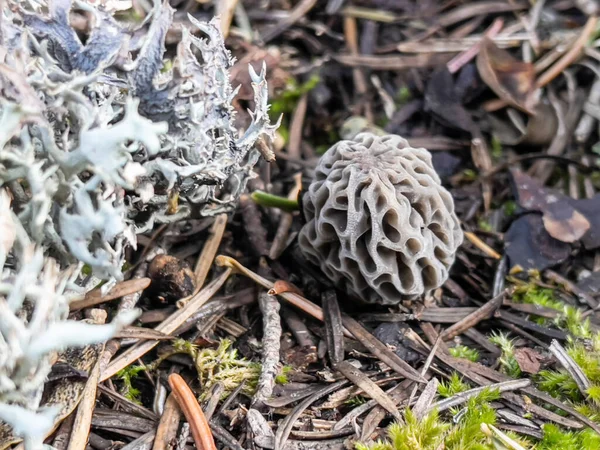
x=570, y=317
x=462, y=351
x=452, y=387
x=127, y=376
x=508, y=363
x=220, y=365
x=556, y=438
x=465, y=432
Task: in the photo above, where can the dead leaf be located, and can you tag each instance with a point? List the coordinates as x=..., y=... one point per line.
x=590, y=208
x=537, y=130
x=528, y=244
x=443, y=101
x=512, y=80
x=560, y=218
x=528, y=360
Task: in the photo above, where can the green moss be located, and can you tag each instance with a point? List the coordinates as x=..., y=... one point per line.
x=127, y=376
x=462, y=351
x=510, y=208
x=508, y=363
x=286, y=102
x=496, y=148
x=484, y=225
x=570, y=318
x=221, y=365
x=282, y=377
x=555, y=438
x=452, y=387
x=357, y=400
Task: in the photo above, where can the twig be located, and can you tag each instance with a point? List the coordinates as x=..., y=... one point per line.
x=225, y=9
x=456, y=63
x=296, y=14
x=95, y=297
x=366, y=384
x=489, y=251
x=168, y=425
x=209, y=251
x=269, y=307
x=186, y=399
x=298, y=301
x=285, y=427
x=334, y=334
x=285, y=222
x=482, y=313
x=296, y=127
x=379, y=349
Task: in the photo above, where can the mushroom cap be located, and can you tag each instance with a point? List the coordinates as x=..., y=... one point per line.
x=379, y=222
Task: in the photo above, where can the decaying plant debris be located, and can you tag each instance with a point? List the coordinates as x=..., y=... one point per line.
x=125, y=149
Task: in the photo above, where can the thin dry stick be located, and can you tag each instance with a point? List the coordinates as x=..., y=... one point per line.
x=366, y=384
x=296, y=14
x=489, y=251
x=296, y=127
x=269, y=307
x=208, y=254
x=226, y=9
x=297, y=300
x=83, y=417
x=95, y=297
x=482, y=313
x=483, y=162
x=360, y=82
x=456, y=63
x=186, y=399
x=285, y=223
x=168, y=425
x=168, y=326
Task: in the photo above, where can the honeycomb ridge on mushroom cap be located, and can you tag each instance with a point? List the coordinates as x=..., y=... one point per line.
x=379, y=222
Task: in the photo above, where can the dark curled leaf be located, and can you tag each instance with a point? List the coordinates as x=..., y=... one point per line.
x=561, y=220
x=442, y=100
x=528, y=244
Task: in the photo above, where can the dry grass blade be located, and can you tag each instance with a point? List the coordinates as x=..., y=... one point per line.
x=285, y=427
x=482, y=313
x=168, y=425
x=367, y=385
x=463, y=397
x=190, y=407
x=394, y=62
x=168, y=326
x=583, y=383
x=95, y=297
x=380, y=350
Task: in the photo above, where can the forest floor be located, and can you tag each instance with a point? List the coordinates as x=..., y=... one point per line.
x=505, y=94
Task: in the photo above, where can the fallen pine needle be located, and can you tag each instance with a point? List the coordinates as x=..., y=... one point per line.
x=190, y=407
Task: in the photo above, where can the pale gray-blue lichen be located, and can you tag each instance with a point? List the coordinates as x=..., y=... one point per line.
x=95, y=138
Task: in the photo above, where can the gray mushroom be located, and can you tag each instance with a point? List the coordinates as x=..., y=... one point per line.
x=379, y=222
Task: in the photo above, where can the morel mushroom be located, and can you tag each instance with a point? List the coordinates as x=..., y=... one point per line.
x=379, y=222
